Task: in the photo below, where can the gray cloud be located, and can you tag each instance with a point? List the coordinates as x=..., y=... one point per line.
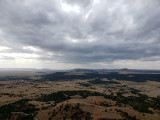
x=7, y=58
x=104, y=31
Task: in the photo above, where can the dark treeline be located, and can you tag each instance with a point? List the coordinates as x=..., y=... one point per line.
x=58, y=76
x=14, y=78
x=66, y=95
x=98, y=81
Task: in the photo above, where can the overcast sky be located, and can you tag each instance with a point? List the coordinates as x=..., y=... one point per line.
x=66, y=34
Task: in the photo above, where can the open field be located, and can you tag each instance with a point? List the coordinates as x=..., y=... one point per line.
x=79, y=95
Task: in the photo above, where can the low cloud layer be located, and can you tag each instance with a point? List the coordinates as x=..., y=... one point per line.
x=80, y=32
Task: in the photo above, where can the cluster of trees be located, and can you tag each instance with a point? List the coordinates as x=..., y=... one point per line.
x=8, y=94
x=57, y=97
x=105, y=104
x=155, y=103
x=66, y=95
x=125, y=114
x=28, y=110
x=72, y=112
x=85, y=84
x=98, y=81
x=139, y=103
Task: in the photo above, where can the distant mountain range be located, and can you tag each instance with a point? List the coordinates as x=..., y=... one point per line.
x=80, y=69
x=123, y=69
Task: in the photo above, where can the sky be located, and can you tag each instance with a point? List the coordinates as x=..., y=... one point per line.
x=68, y=34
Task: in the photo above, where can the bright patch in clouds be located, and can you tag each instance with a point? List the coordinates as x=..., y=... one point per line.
x=3, y=48
x=70, y=39
x=92, y=39
x=87, y=15
x=70, y=8
x=31, y=48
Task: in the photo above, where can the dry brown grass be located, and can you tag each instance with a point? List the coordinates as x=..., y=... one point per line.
x=33, y=89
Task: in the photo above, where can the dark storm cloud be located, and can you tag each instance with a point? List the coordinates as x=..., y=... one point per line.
x=99, y=31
